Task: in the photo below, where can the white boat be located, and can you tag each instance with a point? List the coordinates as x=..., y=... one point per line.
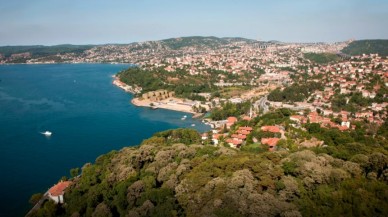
x=193, y=125
x=47, y=133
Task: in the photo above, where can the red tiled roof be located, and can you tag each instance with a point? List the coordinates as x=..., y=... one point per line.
x=245, y=128
x=239, y=136
x=232, y=120
x=343, y=128
x=234, y=142
x=272, y=129
x=58, y=189
x=244, y=132
x=271, y=142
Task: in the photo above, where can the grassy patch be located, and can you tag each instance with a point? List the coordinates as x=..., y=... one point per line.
x=321, y=58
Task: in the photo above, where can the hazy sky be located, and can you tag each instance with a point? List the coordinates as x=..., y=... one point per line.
x=48, y=22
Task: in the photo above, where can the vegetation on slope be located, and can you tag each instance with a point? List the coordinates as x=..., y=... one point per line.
x=200, y=41
x=171, y=174
x=39, y=50
x=367, y=47
x=151, y=80
x=321, y=58
x=183, y=84
x=294, y=93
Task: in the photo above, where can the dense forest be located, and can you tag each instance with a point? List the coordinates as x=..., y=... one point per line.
x=294, y=93
x=173, y=174
x=367, y=47
x=184, y=85
x=151, y=80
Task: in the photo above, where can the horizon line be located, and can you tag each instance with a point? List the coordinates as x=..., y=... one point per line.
x=127, y=43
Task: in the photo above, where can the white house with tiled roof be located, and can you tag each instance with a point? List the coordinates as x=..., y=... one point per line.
x=56, y=192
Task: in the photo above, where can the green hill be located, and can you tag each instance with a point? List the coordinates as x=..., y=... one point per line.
x=367, y=47
x=200, y=41
x=173, y=174
x=322, y=58
x=40, y=50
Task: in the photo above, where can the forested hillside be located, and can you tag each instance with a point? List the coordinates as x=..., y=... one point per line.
x=173, y=174
x=39, y=50
x=367, y=47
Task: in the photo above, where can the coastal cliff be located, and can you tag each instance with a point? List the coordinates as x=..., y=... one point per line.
x=173, y=174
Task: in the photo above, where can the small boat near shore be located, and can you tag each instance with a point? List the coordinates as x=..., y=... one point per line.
x=47, y=133
x=184, y=117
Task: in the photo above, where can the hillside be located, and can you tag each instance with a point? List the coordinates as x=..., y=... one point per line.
x=172, y=174
x=200, y=41
x=39, y=50
x=126, y=53
x=367, y=47
x=321, y=58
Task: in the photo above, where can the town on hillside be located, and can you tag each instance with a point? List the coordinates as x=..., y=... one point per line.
x=235, y=84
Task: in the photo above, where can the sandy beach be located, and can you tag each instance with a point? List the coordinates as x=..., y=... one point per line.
x=171, y=103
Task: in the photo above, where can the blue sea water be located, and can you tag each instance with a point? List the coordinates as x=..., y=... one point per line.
x=86, y=113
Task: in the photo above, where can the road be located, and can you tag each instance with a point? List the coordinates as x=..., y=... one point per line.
x=261, y=104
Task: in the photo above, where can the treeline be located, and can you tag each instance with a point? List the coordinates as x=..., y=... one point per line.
x=353, y=102
x=367, y=47
x=185, y=85
x=40, y=51
x=178, y=43
x=166, y=176
x=295, y=92
x=151, y=80
x=230, y=109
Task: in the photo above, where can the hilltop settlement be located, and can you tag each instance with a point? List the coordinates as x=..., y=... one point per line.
x=298, y=129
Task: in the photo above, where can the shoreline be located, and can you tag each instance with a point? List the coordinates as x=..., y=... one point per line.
x=172, y=103
x=76, y=63
x=173, y=106
x=124, y=86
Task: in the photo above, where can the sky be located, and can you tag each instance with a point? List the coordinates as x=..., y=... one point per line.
x=51, y=22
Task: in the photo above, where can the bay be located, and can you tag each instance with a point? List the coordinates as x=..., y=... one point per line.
x=87, y=115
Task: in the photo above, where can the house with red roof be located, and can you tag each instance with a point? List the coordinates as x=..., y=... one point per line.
x=230, y=121
x=243, y=132
x=56, y=192
x=235, y=143
x=272, y=129
x=238, y=138
x=246, y=128
x=271, y=142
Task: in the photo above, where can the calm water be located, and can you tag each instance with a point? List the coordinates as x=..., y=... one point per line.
x=86, y=113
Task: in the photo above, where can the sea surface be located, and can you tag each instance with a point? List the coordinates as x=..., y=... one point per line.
x=87, y=115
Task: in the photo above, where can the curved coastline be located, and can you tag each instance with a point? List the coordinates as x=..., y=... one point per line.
x=172, y=103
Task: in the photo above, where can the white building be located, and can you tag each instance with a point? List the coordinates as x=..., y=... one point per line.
x=57, y=191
